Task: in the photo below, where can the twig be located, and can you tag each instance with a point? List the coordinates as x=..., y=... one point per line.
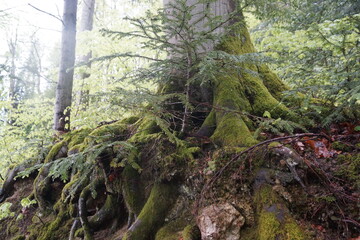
x=50, y=14
x=218, y=173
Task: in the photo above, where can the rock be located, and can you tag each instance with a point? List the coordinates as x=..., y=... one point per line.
x=220, y=222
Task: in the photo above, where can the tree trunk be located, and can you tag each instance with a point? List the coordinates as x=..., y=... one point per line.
x=254, y=90
x=86, y=24
x=13, y=89
x=66, y=71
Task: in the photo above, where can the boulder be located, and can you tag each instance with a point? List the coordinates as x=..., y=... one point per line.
x=220, y=221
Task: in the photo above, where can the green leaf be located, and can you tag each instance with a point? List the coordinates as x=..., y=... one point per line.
x=267, y=114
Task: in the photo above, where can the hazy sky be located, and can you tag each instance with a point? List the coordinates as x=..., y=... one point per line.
x=26, y=20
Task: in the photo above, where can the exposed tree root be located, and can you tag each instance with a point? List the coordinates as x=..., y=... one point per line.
x=83, y=215
x=8, y=185
x=152, y=216
x=74, y=227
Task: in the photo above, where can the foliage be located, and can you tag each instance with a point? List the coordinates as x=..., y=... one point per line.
x=322, y=62
x=5, y=210
x=302, y=14
x=26, y=202
x=28, y=135
x=277, y=126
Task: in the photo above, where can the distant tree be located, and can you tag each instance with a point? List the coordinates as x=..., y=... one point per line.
x=86, y=24
x=13, y=86
x=66, y=71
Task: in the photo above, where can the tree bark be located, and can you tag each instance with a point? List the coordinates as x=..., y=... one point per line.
x=254, y=89
x=66, y=71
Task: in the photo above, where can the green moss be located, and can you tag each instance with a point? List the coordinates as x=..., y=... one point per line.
x=12, y=228
x=78, y=147
x=68, y=186
x=146, y=131
x=42, y=188
x=84, y=138
x=171, y=231
x=236, y=93
x=340, y=146
x=191, y=232
x=265, y=195
x=293, y=231
x=209, y=125
x=272, y=82
x=350, y=167
x=54, y=151
x=131, y=190
x=105, y=214
x=231, y=130
x=109, y=131
x=275, y=145
x=269, y=226
x=151, y=218
x=79, y=233
x=20, y=237
x=274, y=220
x=57, y=229
x=239, y=42
x=76, y=136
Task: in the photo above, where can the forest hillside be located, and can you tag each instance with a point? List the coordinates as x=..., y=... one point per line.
x=180, y=120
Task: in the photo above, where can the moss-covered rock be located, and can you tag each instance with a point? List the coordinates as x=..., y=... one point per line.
x=274, y=219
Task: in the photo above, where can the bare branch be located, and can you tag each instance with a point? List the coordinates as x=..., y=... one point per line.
x=50, y=14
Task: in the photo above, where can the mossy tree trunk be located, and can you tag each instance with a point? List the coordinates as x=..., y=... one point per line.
x=253, y=90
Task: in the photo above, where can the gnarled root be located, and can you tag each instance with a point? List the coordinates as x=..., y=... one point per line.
x=107, y=213
x=83, y=215
x=152, y=216
x=8, y=185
